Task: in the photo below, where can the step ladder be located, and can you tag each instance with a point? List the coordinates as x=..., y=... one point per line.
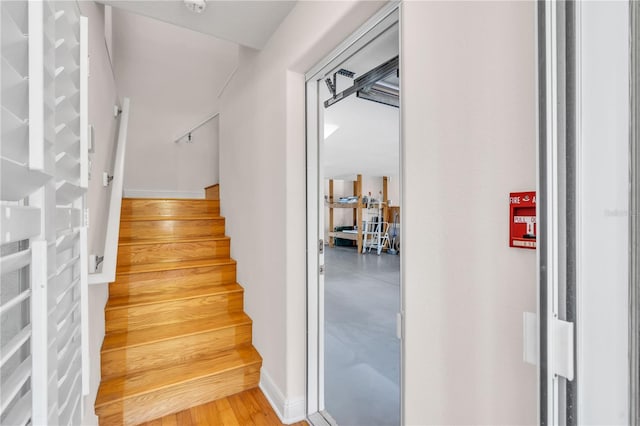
x=375, y=232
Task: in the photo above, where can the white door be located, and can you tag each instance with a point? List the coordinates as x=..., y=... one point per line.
x=316, y=204
x=584, y=212
x=315, y=261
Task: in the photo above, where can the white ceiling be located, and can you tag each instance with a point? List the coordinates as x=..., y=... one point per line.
x=248, y=23
x=367, y=138
x=366, y=141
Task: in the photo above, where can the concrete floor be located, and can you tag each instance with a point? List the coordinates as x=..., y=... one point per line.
x=362, y=353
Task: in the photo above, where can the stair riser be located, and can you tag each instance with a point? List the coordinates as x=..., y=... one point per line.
x=139, y=409
x=137, y=317
x=151, y=282
x=173, y=252
x=166, y=229
x=157, y=207
x=168, y=352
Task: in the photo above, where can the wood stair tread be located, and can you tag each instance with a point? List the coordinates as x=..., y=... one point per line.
x=168, y=240
x=167, y=266
x=171, y=240
x=139, y=383
x=168, y=207
x=120, y=340
x=188, y=200
x=130, y=218
x=167, y=295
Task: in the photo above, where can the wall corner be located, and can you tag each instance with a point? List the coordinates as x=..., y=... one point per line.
x=289, y=410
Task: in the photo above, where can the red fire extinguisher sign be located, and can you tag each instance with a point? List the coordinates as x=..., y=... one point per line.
x=522, y=220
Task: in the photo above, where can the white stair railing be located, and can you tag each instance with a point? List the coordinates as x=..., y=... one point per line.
x=108, y=272
x=192, y=129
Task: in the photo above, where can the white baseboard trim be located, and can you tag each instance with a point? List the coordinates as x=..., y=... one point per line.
x=288, y=410
x=90, y=420
x=150, y=193
x=89, y=417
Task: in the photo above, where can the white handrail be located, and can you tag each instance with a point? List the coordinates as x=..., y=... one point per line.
x=108, y=273
x=197, y=126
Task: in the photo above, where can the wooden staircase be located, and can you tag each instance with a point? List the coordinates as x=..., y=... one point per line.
x=176, y=334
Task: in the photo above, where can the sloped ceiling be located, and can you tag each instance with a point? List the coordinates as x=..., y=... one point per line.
x=248, y=23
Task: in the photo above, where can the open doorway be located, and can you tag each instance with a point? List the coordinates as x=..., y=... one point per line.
x=354, y=209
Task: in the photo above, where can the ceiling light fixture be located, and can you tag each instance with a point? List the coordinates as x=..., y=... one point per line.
x=196, y=6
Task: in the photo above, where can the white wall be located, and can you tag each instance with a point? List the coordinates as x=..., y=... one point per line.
x=262, y=184
x=102, y=97
x=469, y=128
x=393, y=190
x=173, y=77
x=469, y=133
x=603, y=281
x=341, y=217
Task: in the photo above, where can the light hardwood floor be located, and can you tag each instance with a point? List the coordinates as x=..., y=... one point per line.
x=248, y=408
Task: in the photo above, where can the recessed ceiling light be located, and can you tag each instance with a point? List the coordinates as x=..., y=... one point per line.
x=196, y=6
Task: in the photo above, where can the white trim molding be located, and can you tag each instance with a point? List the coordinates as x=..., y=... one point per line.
x=151, y=193
x=383, y=19
x=108, y=273
x=89, y=419
x=288, y=410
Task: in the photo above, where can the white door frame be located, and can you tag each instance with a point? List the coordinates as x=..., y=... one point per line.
x=556, y=360
x=595, y=359
x=382, y=20
x=634, y=222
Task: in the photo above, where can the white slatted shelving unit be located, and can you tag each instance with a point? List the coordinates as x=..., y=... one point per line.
x=43, y=182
